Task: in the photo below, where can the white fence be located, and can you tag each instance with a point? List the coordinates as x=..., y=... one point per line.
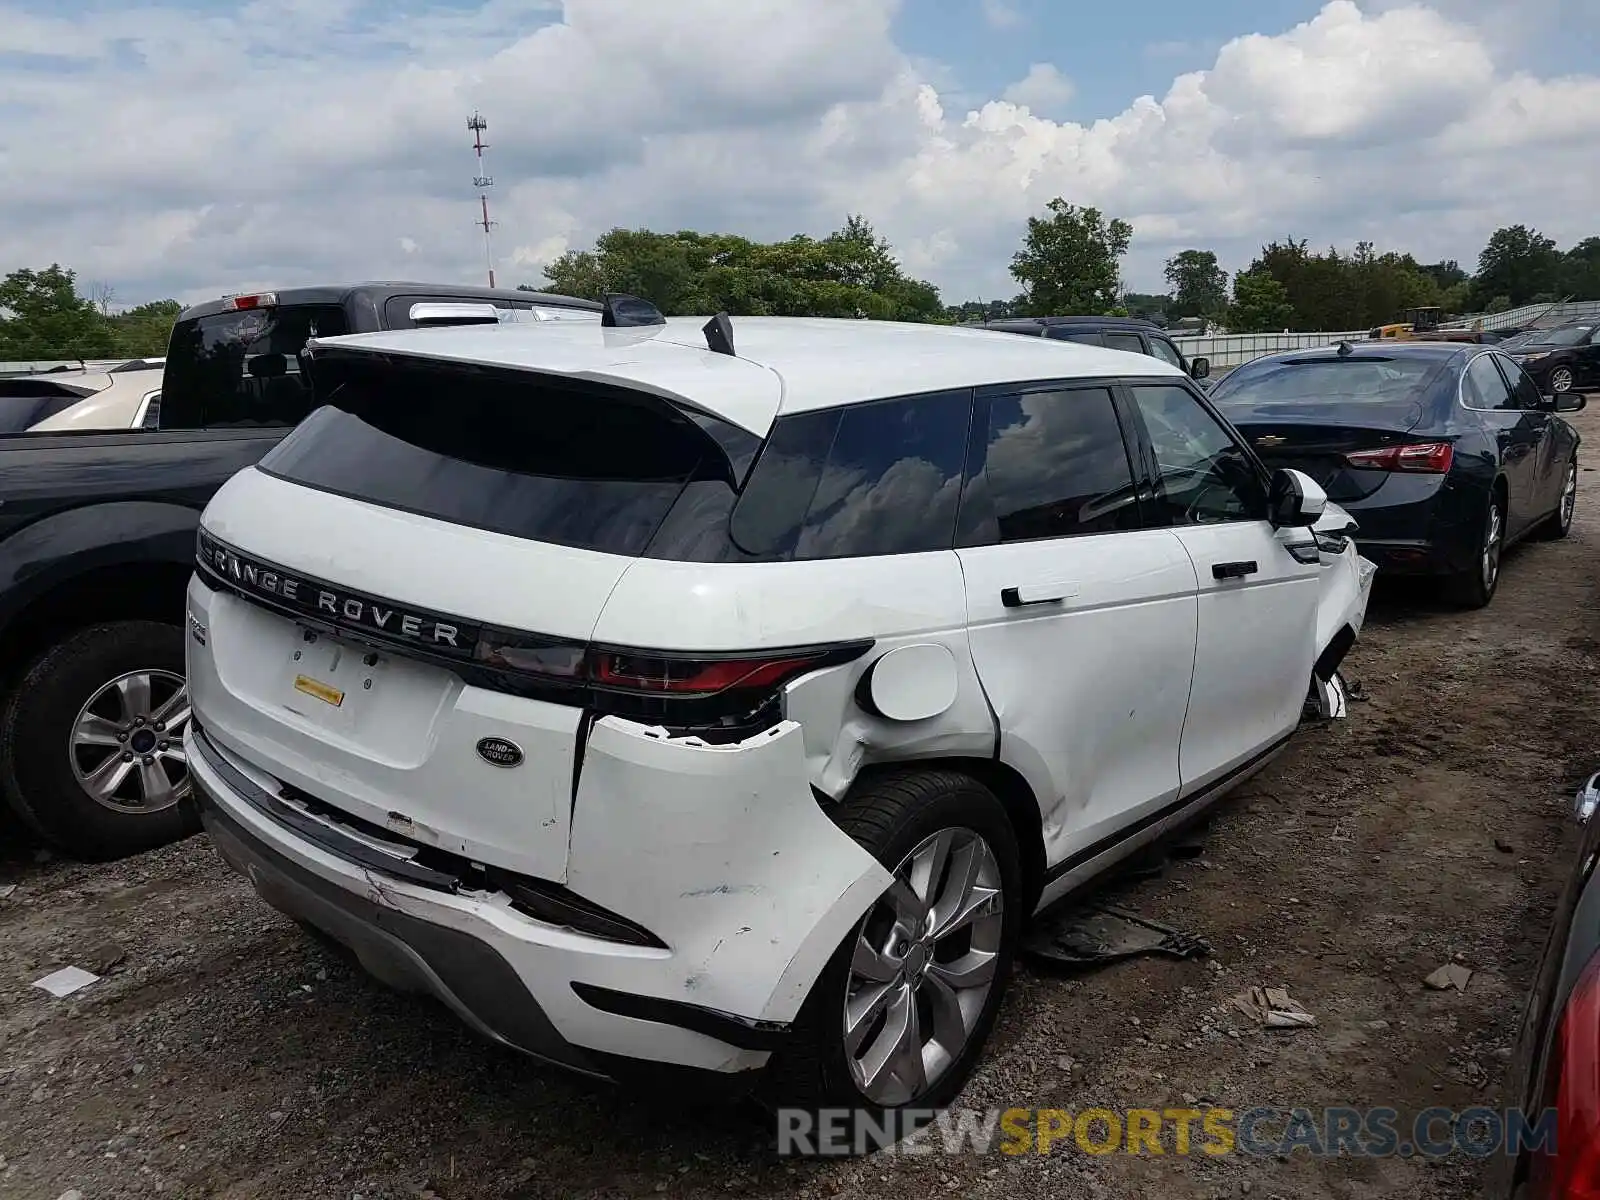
x=1543, y=315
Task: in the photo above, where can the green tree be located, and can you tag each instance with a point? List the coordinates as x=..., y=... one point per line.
x=1260, y=303
x=850, y=273
x=1199, y=285
x=1518, y=263
x=1580, y=270
x=1150, y=304
x=1068, y=261
x=43, y=317
x=142, y=332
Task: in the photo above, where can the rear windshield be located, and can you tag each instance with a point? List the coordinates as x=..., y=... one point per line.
x=243, y=369
x=1573, y=335
x=1377, y=380
x=25, y=402
x=507, y=451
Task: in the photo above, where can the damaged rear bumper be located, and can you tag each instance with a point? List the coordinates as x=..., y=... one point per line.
x=727, y=859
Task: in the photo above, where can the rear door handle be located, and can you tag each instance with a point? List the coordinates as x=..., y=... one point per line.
x=1037, y=593
x=1234, y=570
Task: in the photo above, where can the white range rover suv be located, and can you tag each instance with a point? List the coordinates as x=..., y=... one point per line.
x=726, y=698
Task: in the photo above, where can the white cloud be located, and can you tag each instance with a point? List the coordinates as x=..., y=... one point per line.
x=1044, y=89
x=331, y=139
x=1001, y=14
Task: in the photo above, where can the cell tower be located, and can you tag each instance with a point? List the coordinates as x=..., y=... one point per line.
x=483, y=182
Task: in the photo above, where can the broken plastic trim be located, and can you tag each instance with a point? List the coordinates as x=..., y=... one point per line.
x=743, y=1032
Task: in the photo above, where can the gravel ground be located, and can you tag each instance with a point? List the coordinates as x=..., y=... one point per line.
x=225, y=1054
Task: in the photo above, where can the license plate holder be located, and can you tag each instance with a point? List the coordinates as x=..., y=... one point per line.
x=327, y=680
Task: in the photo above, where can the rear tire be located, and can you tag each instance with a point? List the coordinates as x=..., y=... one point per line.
x=897, y=971
x=44, y=758
x=1476, y=586
x=1559, y=523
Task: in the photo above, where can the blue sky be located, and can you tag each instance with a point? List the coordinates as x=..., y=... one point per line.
x=188, y=147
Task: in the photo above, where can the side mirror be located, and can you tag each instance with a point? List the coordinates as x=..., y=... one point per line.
x=1200, y=368
x=1295, y=500
x=1569, y=402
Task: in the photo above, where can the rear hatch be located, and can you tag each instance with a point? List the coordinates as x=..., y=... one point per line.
x=405, y=591
x=1310, y=414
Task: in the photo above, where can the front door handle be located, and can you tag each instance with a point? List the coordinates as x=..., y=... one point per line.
x=1234, y=570
x=1037, y=593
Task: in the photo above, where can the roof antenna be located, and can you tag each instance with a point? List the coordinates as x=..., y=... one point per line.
x=623, y=311
x=719, y=334
x=1345, y=350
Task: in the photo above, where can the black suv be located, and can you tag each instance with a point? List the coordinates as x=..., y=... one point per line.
x=1565, y=359
x=1114, y=333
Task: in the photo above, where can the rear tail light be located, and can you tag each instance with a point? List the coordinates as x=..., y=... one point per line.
x=1422, y=458
x=258, y=300
x=705, y=693
x=1571, y=1170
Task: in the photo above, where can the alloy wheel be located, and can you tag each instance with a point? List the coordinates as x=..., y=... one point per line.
x=126, y=745
x=1491, y=548
x=1561, y=379
x=923, y=966
x=1569, y=494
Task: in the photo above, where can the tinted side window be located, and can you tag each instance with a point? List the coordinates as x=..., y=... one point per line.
x=1131, y=342
x=1483, y=386
x=1524, y=392
x=880, y=478
x=1165, y=349
x=1054, y=465
x=773, y=507
x=893, y=479
x=1066, y=333
x=1203, y=474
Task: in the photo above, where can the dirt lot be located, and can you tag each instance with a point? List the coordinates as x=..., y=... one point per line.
x=227, y=1055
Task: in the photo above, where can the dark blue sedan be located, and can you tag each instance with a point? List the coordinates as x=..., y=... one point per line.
x=1443, y=452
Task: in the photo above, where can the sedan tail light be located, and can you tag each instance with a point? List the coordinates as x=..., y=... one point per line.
x=1421, y=458
x=1571, y=1170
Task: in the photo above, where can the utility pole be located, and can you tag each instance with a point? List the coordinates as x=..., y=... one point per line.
x=483, y=182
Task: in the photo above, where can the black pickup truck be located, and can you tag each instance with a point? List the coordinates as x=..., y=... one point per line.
x=97, y=541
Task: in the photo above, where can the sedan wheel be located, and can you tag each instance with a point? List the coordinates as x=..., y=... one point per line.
x=1561, y=380
x=1493, y=543
x=1475, y=586
x=1559, y=523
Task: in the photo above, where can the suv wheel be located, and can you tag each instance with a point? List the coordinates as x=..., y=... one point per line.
x=91, y=741
x=900, y=1014
x=1561, y=380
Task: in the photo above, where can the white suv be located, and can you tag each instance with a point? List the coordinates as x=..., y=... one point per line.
x=660, y=702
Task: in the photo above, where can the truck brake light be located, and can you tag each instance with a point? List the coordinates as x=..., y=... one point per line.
x=258, y=300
